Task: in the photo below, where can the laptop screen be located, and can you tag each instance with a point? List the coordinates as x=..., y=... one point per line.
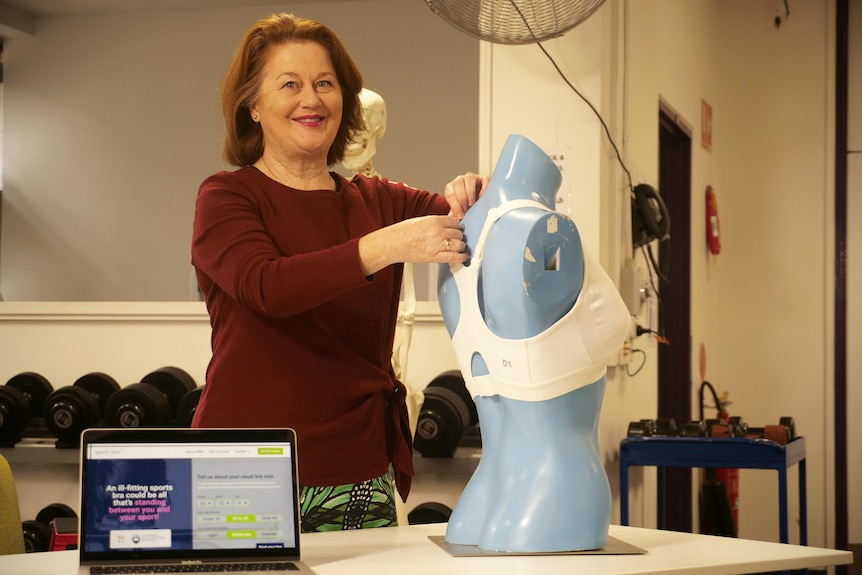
x=188, y=494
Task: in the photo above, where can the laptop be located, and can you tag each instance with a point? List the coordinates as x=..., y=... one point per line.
x=155, y=500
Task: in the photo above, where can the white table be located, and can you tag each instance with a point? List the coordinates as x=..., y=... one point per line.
x=400, y=550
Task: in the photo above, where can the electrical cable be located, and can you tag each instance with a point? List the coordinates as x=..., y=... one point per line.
x=576, y=91
x=649, y=256
x=596, y=112
x=640, y=367
x=640, y=330
x=710, y=472
x=661, y=274
x=660, y=333
x=714, y=397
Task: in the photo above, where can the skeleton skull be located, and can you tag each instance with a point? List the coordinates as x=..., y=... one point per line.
x=357, y=156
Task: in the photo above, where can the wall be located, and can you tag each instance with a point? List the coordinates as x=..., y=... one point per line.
x=755, y=76
x=111, y=123
x=761, y=308
x=777, y=268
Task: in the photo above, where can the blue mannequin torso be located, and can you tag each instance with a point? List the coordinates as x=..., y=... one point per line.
x=540, y=485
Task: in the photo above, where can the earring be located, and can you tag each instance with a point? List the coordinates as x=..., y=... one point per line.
x=254, y=117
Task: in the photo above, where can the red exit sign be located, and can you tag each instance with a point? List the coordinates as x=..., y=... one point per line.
x=705, y=125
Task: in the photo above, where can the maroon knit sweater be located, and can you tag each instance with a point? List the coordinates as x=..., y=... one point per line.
x=300, y=337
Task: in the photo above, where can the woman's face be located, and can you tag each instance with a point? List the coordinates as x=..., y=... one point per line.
x=299, y=102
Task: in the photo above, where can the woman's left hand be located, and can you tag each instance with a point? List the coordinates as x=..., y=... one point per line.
x=463, y=191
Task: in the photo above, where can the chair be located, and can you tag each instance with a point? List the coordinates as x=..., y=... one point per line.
x=11, y=534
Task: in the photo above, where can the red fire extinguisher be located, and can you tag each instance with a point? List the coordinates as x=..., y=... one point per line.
x=719, y=497
x=730, y=477
x=713, y=233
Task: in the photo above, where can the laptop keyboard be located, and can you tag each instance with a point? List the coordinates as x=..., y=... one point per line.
x=204, y=568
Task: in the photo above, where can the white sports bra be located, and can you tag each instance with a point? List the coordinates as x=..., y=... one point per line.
x=570, y=354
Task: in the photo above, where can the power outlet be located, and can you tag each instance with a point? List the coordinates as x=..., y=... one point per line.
x=624, y=355
x=632, y=287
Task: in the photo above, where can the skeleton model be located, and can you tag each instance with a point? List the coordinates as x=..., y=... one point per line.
x=357, y=157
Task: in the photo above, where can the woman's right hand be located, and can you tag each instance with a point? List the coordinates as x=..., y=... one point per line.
x=426, y=239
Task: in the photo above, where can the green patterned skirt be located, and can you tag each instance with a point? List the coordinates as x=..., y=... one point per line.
x=353, y=506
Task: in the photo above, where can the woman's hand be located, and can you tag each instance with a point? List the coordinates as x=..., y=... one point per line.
x=426, y=239
x=463, y=191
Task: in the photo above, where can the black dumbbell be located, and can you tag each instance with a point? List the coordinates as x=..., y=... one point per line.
x=453, y=380
x=666, y=427
x=441, y=422
x=37, y=532
x=642, y=428
x=71, y=409
x=788, y=423
x=152, y=402
x=430, y=512
x=694, y=429
x=738, y=427
x=187, y=406
x=21, y=400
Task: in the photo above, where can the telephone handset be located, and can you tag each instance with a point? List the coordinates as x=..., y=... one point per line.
x=650, y=220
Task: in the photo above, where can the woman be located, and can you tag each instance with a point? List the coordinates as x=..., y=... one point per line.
x=301, y=272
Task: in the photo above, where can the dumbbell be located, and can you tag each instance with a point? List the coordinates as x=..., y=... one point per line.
x=187, y=406
x=152, y=402
x=716, y=427
x=783, y=433
x=695, y=428
x=666, y=427
x=442, y=420
x=642, y=428
x=660, y=427
x=790, y=425
x=21, y=400
x=429, y=512
x=453, y=380
x=739, y=428
x=71, y=409
x=37, y=532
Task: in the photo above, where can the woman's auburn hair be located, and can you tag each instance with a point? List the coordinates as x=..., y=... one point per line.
x=240, y=85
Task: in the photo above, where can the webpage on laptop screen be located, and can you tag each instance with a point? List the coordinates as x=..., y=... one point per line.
x=189, y=496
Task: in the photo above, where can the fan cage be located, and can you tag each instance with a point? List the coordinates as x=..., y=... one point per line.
x=514, y=21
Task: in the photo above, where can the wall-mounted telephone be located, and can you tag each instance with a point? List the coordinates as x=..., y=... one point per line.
x=650, y=220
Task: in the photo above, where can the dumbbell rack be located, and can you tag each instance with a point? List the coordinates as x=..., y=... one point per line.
x=716, y=452
x=39, y=450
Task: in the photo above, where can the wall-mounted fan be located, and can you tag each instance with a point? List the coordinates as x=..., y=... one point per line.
x=514, y=21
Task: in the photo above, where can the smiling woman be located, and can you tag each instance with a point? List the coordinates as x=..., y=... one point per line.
x=299, y=107
x=301, y=269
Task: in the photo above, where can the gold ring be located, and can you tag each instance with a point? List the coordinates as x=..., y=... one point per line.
x=448, y=243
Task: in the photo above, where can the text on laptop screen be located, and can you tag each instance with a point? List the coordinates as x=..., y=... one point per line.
x=181, y=496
